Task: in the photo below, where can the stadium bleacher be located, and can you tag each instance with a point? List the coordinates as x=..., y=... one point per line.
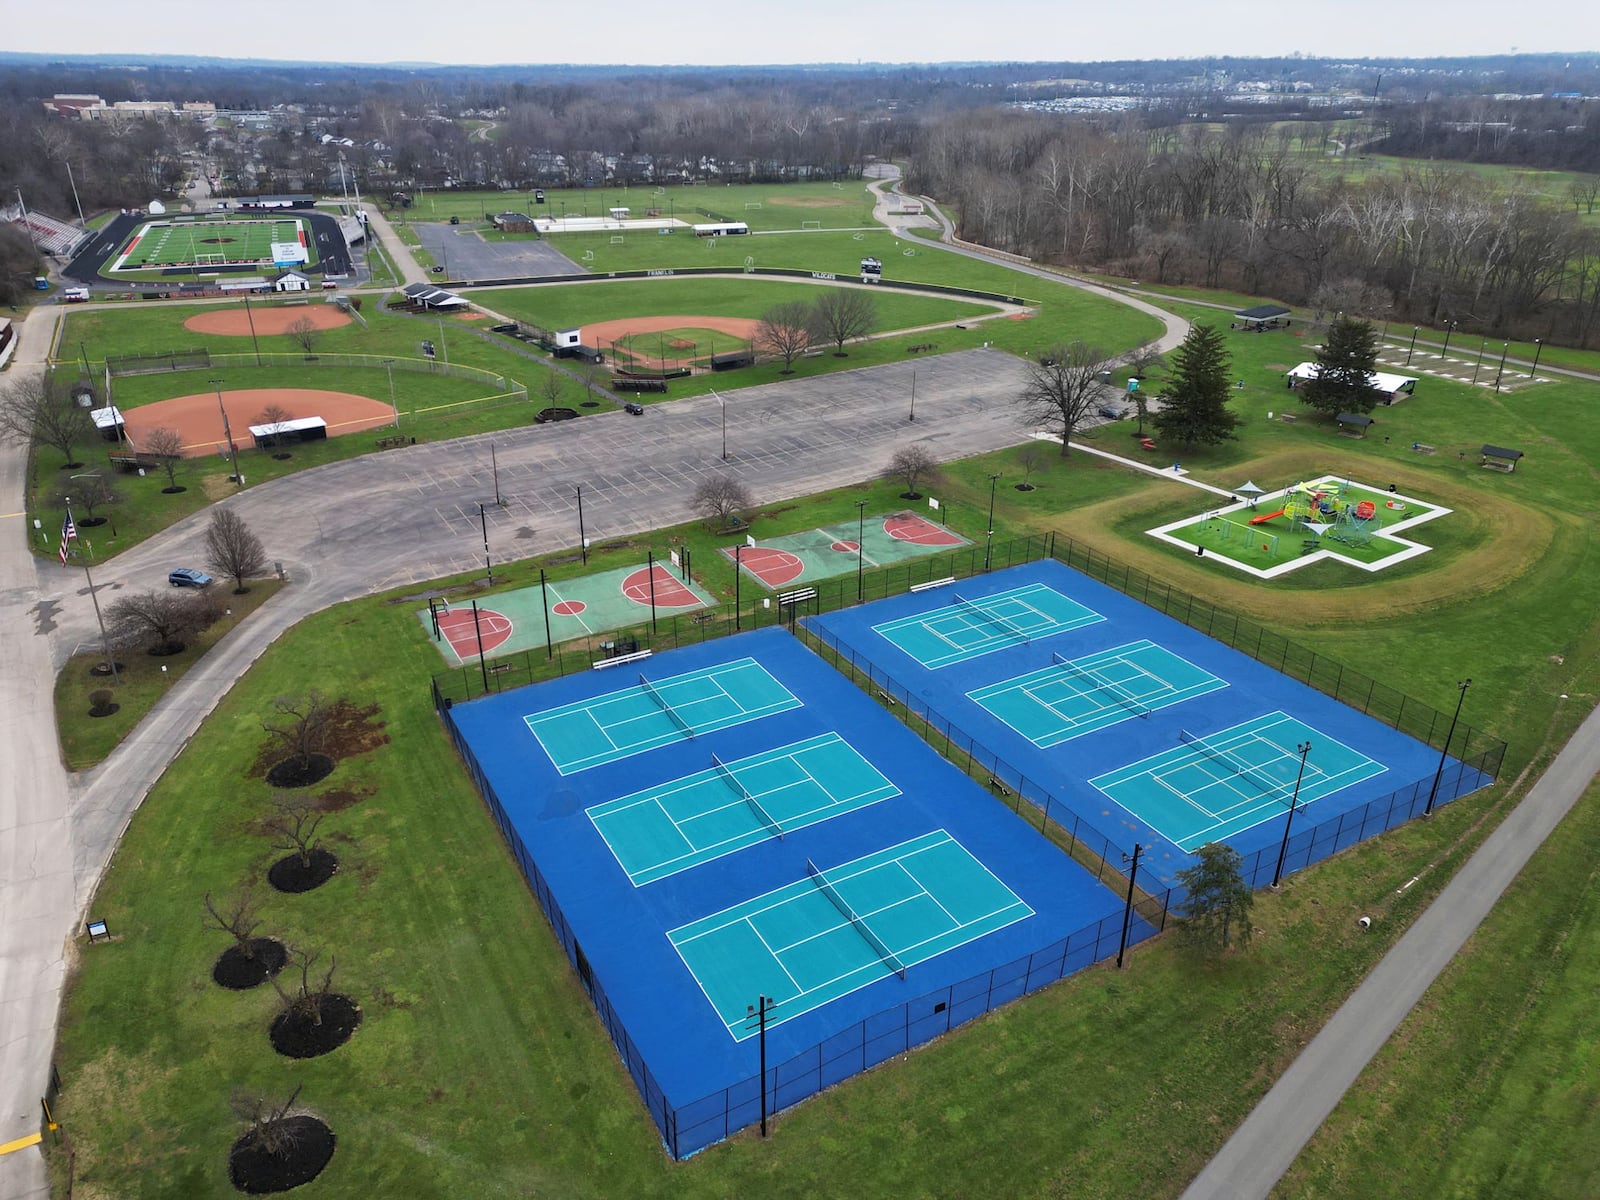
x=50, y=235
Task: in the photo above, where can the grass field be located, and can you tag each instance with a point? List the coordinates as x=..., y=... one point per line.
x=190, y=243
x=782, y=205
x=398, y=1094
x=481, y=1068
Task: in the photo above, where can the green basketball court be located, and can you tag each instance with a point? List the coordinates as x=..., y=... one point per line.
x=835, y=550
x=510, y=621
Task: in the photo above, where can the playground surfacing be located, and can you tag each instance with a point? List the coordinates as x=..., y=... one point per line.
x=511, y=621
x=1331, y=517
x=831, y=550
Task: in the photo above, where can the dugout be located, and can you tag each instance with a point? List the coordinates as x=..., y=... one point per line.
x=733, y=360
x=108, y=422
x=638, y=383
x=287, y=433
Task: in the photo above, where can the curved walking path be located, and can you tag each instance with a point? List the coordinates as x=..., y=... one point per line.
x=1266, y=1144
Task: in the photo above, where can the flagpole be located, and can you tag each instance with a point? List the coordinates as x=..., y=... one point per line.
x=105, y=642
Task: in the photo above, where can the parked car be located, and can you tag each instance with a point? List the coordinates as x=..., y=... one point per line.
x=634, y=407
x=1111, y=412
x=188, y=577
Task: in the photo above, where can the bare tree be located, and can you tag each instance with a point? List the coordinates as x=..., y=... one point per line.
x=294, y=821
x=305, y=999
x=273, y=419
x=90, y=492
x=161, y=622
x=304, y=331
x=301, y=724
x=237, y=918
x=551, y=385
x=842, y=314
x=782, y=332
x=167, y=445
x=1030, y=460
x=233, y=549
x=1063, y=388
x=912, y=465
x=267, y=1124
x=40, y=410
x=720, y=500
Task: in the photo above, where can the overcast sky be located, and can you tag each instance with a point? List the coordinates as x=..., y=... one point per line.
x=767, y=31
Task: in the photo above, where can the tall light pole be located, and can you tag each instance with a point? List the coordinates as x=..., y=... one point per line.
x=583, y=542
x=1127, y=908
x=388, y=365
x=913, y=415
x=483, y=522
x=861, y=550
x=1415, y=329
x=251, y=317
x=1445, y=750
x=1538, y=347
x=73, y=184
x=988, y=540
x=723, y=405
x=1449, y=328
x=1505, y=348
x=227, y=432
x=758, y=1012
x=1277, y=873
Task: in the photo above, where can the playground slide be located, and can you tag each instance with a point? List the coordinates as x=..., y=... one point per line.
x=1265, y=517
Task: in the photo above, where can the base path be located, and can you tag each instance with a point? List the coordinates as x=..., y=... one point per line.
x=199, y=422
x=266, y=319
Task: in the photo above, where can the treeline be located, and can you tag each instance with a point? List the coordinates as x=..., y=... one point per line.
x=1556, y=133
x=1238, y=210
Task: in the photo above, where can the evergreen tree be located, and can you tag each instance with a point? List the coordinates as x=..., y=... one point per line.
x=1216, y=908
x=1195, y=399
x=1342, y=382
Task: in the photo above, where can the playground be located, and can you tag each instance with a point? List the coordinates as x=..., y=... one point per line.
x=557, y=612
x=814, y=554
x=1269, y=534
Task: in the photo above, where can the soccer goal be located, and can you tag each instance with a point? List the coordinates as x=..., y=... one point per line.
x=617, y=239
x=751, y=204
x=810, y=224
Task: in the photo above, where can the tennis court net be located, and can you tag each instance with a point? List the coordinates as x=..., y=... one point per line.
x=1005, y=626
x=743, y=793
x=661, y=703
x=1096, y=683
x=1243, y=770
x=849, y=914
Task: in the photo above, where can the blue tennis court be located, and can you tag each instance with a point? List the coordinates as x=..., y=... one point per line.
x=656, y=713
x=841, y=928
x=1207, y=789
x=1075, y=696
x=966, y=628
x=662, y=830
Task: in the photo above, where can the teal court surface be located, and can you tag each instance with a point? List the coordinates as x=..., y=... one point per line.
x=744, y=823
x=1075, y=696
x=685, y=822
x=1130, y=728
x=961, y=628
x=1207, y=789
x=631, y=720
x=507, y=622
x=822, y=553
x=826, y=935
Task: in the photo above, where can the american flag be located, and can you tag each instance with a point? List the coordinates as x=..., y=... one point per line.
x=69, y=530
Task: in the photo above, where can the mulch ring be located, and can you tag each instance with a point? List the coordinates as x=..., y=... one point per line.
x=300, y=770
x=295, y=1034
x=294, y=875
x=308, y=1147
x=238, y=973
